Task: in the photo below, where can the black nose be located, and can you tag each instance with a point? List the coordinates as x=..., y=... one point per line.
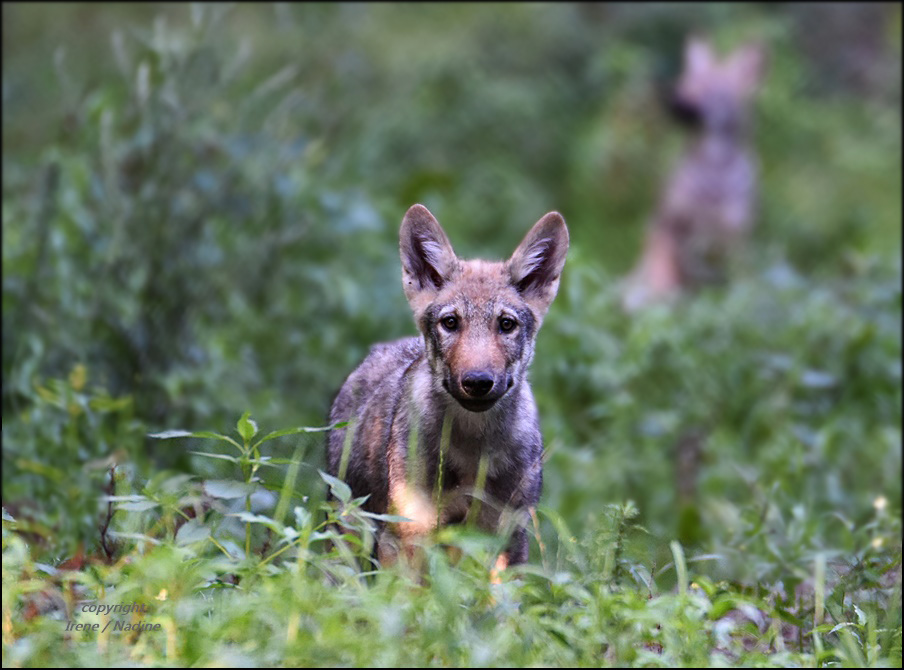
x=477, y=384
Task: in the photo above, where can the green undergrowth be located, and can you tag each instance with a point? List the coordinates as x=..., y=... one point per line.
x=248, y=566
x=201, y=208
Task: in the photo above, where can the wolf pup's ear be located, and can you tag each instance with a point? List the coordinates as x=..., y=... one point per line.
x=428, y=261
x=537, y=263
x=698, y=55
x=748, y=66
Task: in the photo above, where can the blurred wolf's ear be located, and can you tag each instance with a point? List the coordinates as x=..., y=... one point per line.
x=748, y=65
x=698, y=55
x=537, y=263
x=428, y=260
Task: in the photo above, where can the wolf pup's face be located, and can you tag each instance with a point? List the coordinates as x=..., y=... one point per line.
x=479, y=318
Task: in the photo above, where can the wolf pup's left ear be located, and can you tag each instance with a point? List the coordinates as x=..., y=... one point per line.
x=538, y=261
x=698, y=55
x=428, y=261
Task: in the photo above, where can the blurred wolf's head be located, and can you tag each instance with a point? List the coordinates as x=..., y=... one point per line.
x=714, y=93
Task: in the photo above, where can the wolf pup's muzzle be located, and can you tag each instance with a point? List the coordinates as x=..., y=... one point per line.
x=479, y=390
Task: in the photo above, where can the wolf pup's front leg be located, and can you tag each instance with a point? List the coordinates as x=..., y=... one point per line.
x=429, y=413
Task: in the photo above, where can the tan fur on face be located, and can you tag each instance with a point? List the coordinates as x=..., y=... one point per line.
x=479, y=345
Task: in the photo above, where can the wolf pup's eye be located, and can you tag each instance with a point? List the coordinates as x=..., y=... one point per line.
x=507, y=325
x=450, y=323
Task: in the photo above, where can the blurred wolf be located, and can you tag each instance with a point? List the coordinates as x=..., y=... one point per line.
x=708, y=204
x=436, y=417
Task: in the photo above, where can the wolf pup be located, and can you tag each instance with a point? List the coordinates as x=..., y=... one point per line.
x=708, y=204
x=429, y=413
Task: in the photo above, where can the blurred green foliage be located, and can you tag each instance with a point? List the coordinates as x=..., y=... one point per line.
x=200, y=217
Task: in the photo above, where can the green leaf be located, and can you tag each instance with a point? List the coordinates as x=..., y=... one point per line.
x=680, y=566
x=169, y=434
x=302, y=516
x=140, y=506
x=263, y=460
x=721, y=606
x=175, y=483
x=300, y=429
x=131, y=498
x=227, y=488
x=269, y=460
x=134, y=536
x=337, y=487
x=248, y=517
x=214, y=436
x=391, y=518
x=191, y=532
x=231, y=459
x=247, y=427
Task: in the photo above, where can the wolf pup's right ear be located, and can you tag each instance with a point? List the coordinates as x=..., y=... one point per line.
x=538, y=261
x=748, y=66
x=428, y=261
